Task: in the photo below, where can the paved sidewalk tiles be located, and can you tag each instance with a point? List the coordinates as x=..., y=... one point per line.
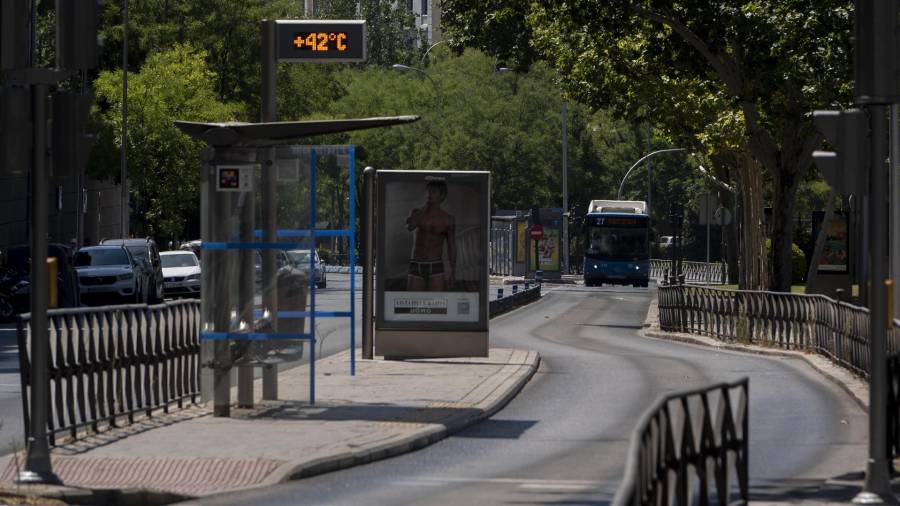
x=388, y=408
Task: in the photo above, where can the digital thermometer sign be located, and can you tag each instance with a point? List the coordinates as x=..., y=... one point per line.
x=321, y=40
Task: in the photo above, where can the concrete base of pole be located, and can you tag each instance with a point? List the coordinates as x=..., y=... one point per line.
x=877, y=488
x=38, y=470
x=270, y=383
x=245, y=387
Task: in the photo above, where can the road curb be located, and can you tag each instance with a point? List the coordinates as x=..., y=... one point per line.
x=425, y=437
x=856, y=388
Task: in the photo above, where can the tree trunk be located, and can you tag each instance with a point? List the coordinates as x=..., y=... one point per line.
x=753, y=247
x=786, y=183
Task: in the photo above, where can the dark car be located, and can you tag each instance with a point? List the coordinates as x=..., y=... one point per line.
x=146, y=254
x=15, y=280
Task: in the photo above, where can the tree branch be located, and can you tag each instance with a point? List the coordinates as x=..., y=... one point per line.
x=762, y=143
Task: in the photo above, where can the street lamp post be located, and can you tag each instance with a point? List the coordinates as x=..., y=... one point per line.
x=624, y=178
x=437, y=92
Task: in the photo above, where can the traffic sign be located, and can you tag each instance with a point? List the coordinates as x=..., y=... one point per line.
x=536, y=232
x=722, y=217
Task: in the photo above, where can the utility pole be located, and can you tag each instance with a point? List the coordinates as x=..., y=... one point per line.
x=123, y=163
x=565, y=185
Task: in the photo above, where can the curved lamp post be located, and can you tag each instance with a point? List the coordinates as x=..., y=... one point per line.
x=622, y=185
x=437, y=93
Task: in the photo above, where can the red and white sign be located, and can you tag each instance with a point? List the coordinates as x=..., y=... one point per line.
x=536, y=232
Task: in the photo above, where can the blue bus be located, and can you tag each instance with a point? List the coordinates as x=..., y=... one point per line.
x=616, y=243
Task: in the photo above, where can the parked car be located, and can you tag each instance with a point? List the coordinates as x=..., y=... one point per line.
x=282, y=261
x=181, y=272
x=109, y=273
x=192, y=246
x=147, y=255
x=300, y=259
x=15, y=281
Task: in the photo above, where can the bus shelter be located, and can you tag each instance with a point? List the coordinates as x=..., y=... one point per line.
x=260, y=204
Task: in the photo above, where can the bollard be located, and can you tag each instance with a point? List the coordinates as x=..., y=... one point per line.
x=538, y=276
x=499, y=293
x=839, y=294
x=515, y=289
x=52, y=287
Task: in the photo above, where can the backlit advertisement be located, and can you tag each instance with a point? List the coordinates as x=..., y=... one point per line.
x=432, y=253
x=836, y=253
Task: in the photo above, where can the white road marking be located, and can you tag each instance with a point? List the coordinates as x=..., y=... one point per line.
x=524, y=483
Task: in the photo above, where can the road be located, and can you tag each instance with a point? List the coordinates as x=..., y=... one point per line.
x=11, y=432
x=564, y=438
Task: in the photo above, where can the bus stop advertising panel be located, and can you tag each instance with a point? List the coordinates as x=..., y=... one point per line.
x=432, y=264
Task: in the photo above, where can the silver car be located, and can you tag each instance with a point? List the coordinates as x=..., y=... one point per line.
x=108, y=272
x=300, y=259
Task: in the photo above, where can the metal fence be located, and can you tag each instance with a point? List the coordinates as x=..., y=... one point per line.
x=502, y=247
x=694, y=272
x=690, y=443
x=109, y=363
x=836, y=330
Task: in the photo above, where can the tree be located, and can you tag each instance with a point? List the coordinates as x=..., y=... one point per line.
x=163, y=162
x=773, y=62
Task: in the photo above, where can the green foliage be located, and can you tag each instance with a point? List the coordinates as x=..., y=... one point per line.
x=163, y=163
x=798, y=262
x=506, y=123
x=690, y=66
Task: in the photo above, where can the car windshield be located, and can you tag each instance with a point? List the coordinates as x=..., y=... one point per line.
x=299, y=257
x=140, y=252
x=179, y=260
x=617, y=243
x=92, y=258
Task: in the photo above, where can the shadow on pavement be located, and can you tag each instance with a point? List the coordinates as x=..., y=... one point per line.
x=497, y=429
x=838, y=489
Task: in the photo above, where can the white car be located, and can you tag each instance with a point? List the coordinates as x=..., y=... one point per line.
x=181, y=273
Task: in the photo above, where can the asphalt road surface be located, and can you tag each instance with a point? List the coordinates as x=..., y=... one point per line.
x=12, y=436
x=564, y=438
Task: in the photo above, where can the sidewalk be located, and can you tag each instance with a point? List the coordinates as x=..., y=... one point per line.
x=388, y=408
x=835, y=490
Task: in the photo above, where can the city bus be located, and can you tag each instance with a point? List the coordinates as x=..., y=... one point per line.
x=616, y=243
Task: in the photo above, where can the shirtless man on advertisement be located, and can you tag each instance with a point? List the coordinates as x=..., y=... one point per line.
x=433, y=226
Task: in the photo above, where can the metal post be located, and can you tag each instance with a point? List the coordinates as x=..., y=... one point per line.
x=877, y=487
x=123, y=168
x=222, y=268
x=565, y=185
x=707, y=230
x=38, y=468
x=368, y=242
x=246, y=289
x=895, y=200
x=269, y=196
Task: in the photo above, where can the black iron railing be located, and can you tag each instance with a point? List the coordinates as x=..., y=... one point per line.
x=688, y=443
x=837, y=330
x=814, y=323
x=694, y=272
x=109, y=363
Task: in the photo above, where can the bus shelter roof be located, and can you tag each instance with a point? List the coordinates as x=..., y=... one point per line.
x=266, y=134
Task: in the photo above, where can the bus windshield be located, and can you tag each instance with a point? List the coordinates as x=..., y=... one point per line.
x=617, y=243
